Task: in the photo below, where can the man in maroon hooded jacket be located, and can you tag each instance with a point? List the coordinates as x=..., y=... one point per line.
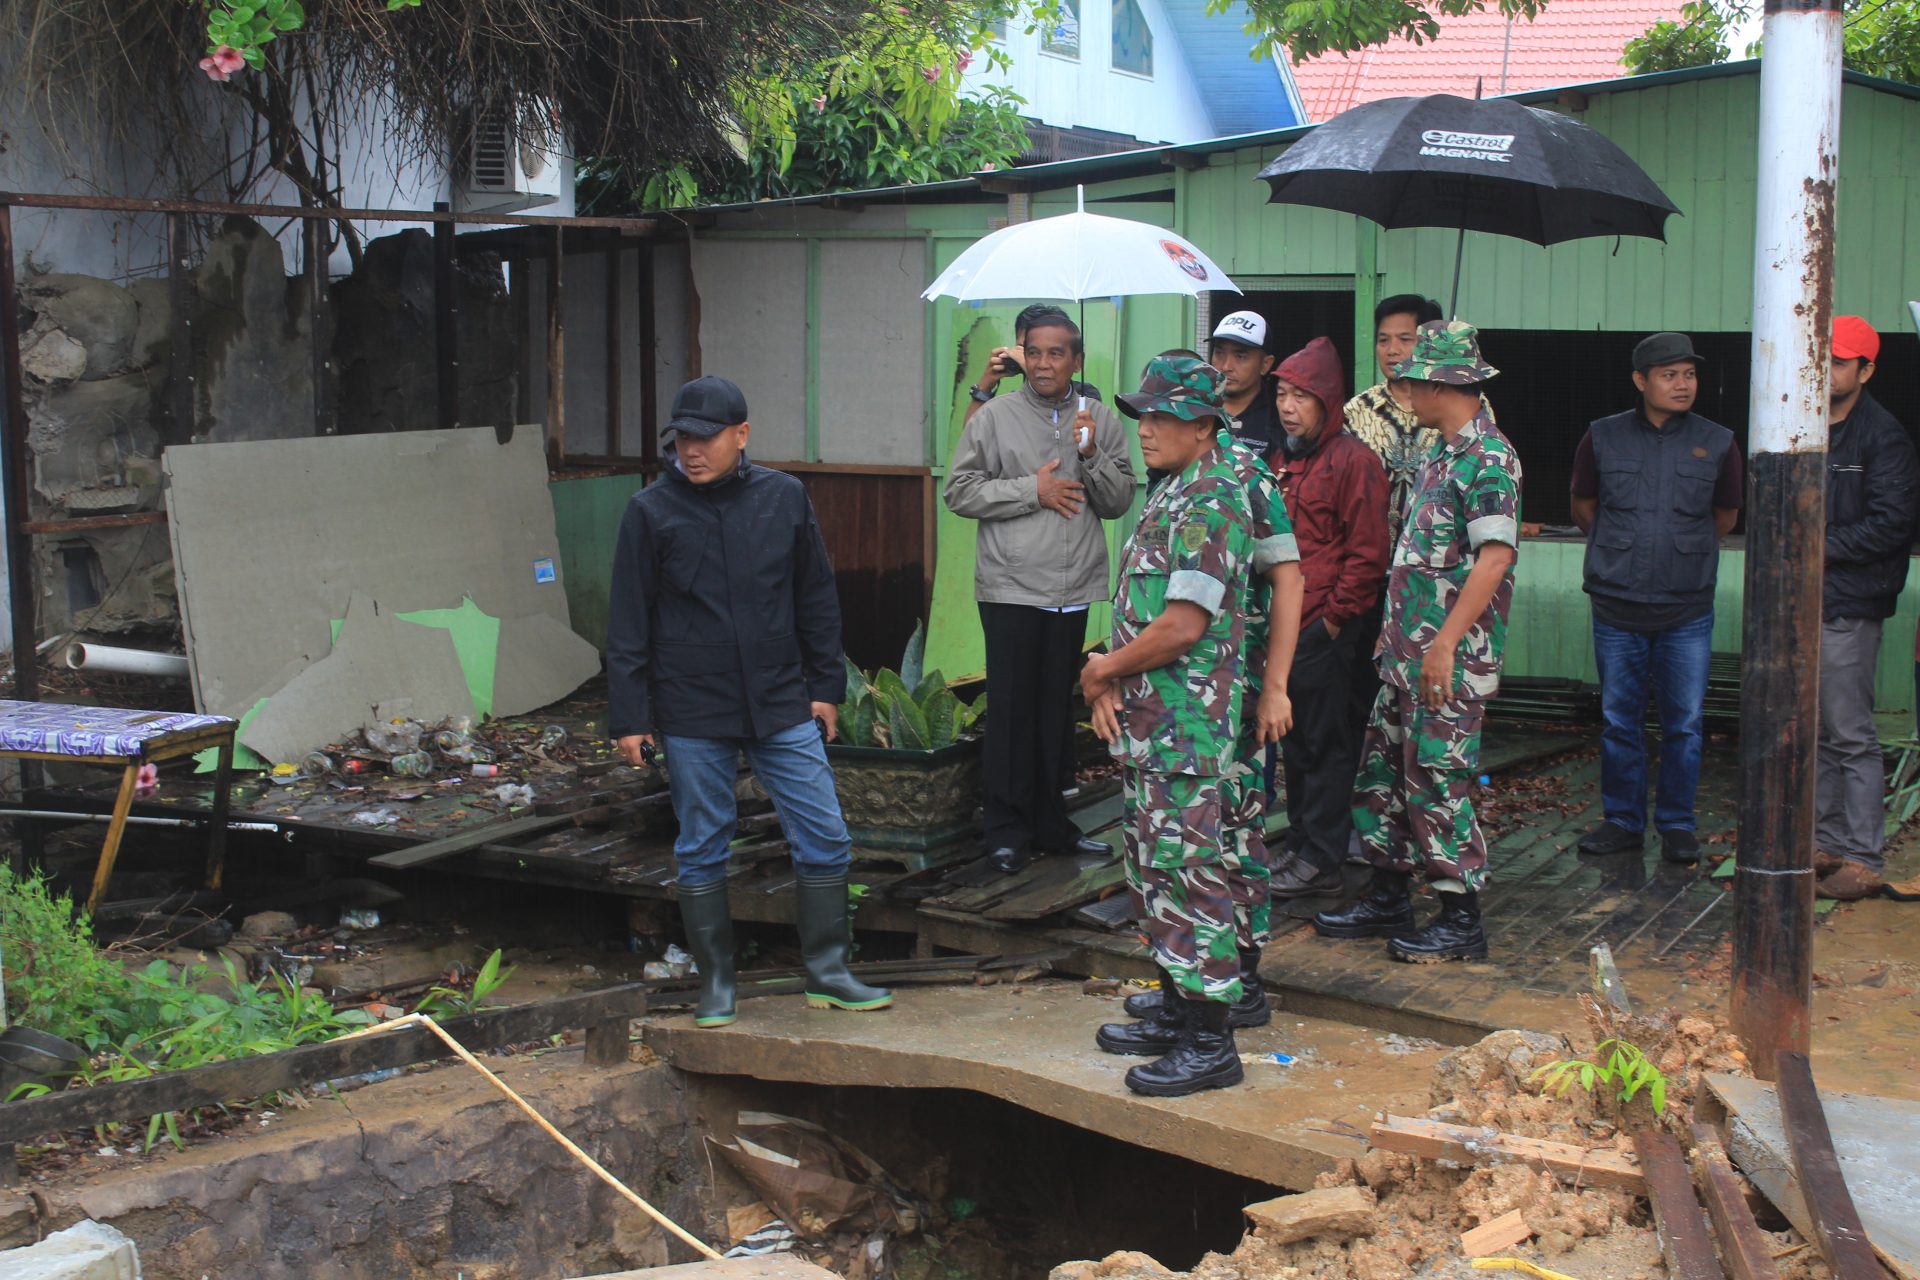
x=1336, y=493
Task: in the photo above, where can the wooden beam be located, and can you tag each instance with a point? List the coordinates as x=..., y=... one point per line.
x=1747, y=1252
x=556, y=351
x=1462, y=1144
x=1677, y=1218
x=1837, y=1229
x=497, y=833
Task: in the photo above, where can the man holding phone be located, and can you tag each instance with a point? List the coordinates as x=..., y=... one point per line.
x=724, y=639
x=1008, y=362
x=1039, y=469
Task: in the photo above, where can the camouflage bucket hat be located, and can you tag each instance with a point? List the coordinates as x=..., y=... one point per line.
x=1180, y=385
x=1446, y=351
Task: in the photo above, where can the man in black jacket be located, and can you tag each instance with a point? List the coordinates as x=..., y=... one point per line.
x=1871, y=504
x=724, y=638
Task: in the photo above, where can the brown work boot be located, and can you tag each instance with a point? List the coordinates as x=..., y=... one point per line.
x=1825, y=864
x=1853, y=881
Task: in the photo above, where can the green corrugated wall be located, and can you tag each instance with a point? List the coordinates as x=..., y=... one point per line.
x=586, y=517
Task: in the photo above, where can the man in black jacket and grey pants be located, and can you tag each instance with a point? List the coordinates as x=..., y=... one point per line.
x=723, y=639
x=1873, y=487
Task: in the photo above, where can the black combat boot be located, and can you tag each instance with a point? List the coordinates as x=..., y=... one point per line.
x=709, y=925
x=1251, y=1009
x=1384, y=911
x=1206, y=1059
x=820, y=913
x=1455, y=934
x=1158, y=1032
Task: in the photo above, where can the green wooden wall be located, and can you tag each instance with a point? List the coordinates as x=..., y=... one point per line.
x=586, y=516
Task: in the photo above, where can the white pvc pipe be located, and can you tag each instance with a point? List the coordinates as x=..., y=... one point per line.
x=127, y=662
x=60, y=815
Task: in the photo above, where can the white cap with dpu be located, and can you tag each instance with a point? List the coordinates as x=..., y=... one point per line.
x=1248, y=328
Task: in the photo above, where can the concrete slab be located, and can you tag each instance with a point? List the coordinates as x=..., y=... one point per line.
x=1033, y=1047
x=1876, y=1139
x=87, y=1250
x=775, y=1266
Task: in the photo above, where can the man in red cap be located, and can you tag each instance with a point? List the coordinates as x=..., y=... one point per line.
x=1873, y=495
x=1336, y=493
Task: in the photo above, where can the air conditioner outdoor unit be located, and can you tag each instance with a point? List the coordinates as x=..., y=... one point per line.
x=513, y=163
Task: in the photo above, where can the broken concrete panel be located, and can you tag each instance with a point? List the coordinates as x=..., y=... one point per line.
x=97, y=314
x=539, y=662
x=130, y=581
x=384, y=339
x=54, y=358
x=152, y=334
x=1330, y=1213
x=253, y=364
x=87, y=1250
x=381, y=669
x=272, y=539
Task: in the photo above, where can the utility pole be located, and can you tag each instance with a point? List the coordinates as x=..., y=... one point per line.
x=1786, y=524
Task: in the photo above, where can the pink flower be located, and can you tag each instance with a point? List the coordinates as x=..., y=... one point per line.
x=932, y=73
x=820, y=105
x=964, y=61
x=222, y=63
x=147, y=781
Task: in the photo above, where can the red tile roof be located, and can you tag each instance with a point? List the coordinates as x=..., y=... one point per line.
x=1571, y=42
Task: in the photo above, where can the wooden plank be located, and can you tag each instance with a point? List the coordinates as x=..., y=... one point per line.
x=1836, y=1221
x=1067, y=888
x=1504, y=1232
x=502, y=833
x=1744, y=1248
x=1462, y=1144
x=1607, y=984
x=1677, y=1217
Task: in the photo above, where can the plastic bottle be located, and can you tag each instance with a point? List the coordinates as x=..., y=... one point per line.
x=552, y=736
x=486, y=770
x=318, y=764
x=357, y=764
x=412, y=764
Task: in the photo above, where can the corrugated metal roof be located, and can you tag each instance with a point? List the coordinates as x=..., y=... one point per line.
x=1243, y=94
x=1571, y=40
x=1127, y=164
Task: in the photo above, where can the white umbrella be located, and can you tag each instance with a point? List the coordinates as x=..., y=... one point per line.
x=1077, y=256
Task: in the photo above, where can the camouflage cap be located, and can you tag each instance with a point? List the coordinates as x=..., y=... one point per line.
x=1446, y=351
x=1183, y=386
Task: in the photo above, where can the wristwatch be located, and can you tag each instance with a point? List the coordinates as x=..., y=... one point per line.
x=982, y=394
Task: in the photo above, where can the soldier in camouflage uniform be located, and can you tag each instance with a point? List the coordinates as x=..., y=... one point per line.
x=1273, y=628
x=1448, y=593
x=1167, y=697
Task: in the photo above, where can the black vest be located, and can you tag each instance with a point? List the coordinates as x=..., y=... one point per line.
x=1653, y=540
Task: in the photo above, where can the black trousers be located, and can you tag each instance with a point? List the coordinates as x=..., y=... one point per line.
x=1319, y=753
x=1365, y=686
x=1033, y=658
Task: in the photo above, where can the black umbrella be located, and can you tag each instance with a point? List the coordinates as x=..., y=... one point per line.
x=1479, y=165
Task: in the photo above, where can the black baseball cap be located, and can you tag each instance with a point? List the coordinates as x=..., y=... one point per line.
x=1664, y=348
x=707, y=406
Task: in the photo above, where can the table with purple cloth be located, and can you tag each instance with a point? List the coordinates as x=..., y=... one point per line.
x=126, y=739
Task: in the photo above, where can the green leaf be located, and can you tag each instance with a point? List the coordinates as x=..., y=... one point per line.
x=889, y=689
x=909, y=725
x=1657, y=1093
x=926, y=687
x=914, y=658
x=856, y=678
x=942, y=711
x=1587, y=1074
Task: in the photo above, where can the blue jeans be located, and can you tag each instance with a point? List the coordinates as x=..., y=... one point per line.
x=791, y=765
x=1675, y=662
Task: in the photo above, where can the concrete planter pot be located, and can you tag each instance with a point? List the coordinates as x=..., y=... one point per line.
x=899, y=799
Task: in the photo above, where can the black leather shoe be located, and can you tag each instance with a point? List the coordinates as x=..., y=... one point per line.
x=1159, y=1003
x=1206, y=1059
x=1250, y=1010
x=1455, y=934
x=1008, y=861
x=1677, y=845
x=1611, y=837
x=1087, y=846
x=1385, y=910
x=1302, y=878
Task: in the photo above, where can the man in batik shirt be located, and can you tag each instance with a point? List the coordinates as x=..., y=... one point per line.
x=1441, y=645
x=1167, y=698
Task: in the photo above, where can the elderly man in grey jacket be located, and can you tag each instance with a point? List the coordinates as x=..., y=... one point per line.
x=1039, y=469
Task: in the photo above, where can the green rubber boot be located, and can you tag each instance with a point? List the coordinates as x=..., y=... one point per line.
x=709, y=925
x=821, y=915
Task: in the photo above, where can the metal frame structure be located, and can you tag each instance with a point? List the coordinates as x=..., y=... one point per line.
x=591, y=234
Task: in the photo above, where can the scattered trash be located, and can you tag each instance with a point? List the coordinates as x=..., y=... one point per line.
x=147, y=781
x=818, y=1183
x=516, y=795
x=375, y=817
x=412, y=764
x=345, y=1083
x=553, y=736
x=284, y=775
x=359, y=918
x=674, y=963
x=775, y=1237
x=357, y=764
x=394, y=737
x=486, y=771
x=1273, y=1059
x=318, y=764
x=1100, y=987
